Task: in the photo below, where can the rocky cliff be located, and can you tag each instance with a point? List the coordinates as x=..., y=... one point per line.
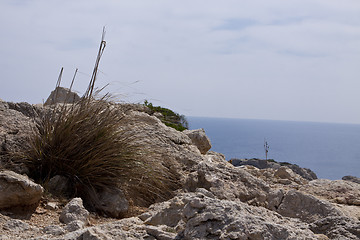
x=213, y=198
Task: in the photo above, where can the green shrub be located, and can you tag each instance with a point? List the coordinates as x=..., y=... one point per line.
x=169, y=118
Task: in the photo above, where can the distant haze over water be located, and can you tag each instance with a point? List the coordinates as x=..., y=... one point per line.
x=331, y=150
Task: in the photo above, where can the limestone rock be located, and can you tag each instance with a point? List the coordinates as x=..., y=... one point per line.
x=58, y=185
x=74, y=225
x=306, y=207
x=162, y=234
x=74, y=210
x=196, y=216
x=337, y=227
x=338, y=191
x=16, y=225
x=51, y=206
x=199, y=139
x=61, y=95
x=280, y=176
x=53, y=230
x=18, y=190
x=351, y=179
x=112, y=202
x=128, y=228
x=15, y=128
x=28, y=110
x=284, y=173
x=227, y=182
x=263, y=164
x=94, y=234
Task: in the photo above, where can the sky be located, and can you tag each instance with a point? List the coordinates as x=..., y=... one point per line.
x=295, y=60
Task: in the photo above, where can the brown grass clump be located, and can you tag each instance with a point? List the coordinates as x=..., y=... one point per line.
x=86, y=143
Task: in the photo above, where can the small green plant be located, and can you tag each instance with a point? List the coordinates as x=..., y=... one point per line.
x=169, y=118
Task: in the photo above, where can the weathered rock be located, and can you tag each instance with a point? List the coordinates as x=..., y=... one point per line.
x=221, y=201
x=199, y=139
x=337, y=227
x=262, y=164
x=280, y=176
x=18, y=191
x=15, y=128
x=59, y=185
x=161, y=234
x=128, y=228
x=74, y=210
x=53, y=230
x=296, y=204
x=196, y=216
x=284, y=173
x=351, y=179
x=74, y=225
x=338, y=191
x=112, y=202
x=94, y=234
x=227, y=182
x=51, y=206
x=16, y=225
x=61, y=95
x=31, y=111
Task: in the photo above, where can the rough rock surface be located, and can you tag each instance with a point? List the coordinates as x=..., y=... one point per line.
x=199, y=139
x=308, y=208
x=261, y=164
x=215, y=200
x=18, y=191
x=338, y=191
x=337, y=227
x=200, y=215
x=280, y=176
x=74, y=211
x=112, y=203
x=351, y=179
x=227, y=182
x=16, y=124
x=58, y=185
x=61, y=95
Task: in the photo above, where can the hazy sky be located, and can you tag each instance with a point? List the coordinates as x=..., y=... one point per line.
x=273, y=59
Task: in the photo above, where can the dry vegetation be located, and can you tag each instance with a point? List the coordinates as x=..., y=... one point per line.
x=84, y=142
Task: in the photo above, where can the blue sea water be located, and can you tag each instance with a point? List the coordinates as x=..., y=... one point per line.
x=331, y=150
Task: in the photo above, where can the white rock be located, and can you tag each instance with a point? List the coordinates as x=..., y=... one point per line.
x=74, y=225
x=74, y=210
x=53, y=230
x=18, y=190
x=16, y=225
x=306, y=207
x=51, y=206
x=199, y=139
x=284, y=173
x=61, y=95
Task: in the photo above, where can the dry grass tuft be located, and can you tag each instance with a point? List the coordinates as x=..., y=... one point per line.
x=84, y=142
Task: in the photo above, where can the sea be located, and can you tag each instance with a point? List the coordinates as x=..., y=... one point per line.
x=331, y=150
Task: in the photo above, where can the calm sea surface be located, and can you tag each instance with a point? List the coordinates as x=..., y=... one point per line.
x=330, y=150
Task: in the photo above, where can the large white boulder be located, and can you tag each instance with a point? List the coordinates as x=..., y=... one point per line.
x=199, y=139
x=62, y=95
x=18, y=190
